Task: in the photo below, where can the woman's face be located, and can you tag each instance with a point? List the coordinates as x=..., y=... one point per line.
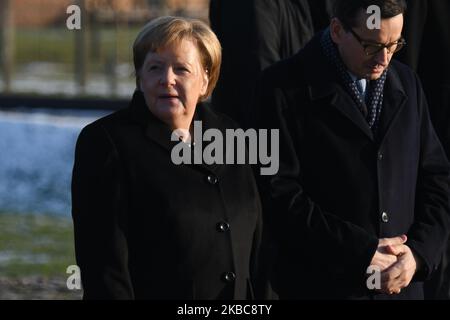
x=172, y=80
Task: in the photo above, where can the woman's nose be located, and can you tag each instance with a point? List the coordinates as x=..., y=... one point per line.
x=167, y=77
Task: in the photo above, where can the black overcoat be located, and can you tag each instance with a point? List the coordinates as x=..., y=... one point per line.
x=340, y=188
x=146, y=228
x=427, y=33
x=254, y=34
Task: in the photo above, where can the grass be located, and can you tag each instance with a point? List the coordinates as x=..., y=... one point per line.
x=35, y=251
x=48, y=54
x=57, y=45
x=35, y=245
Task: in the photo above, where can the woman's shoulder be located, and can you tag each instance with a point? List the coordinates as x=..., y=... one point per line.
x=214, y=118
x=102, y=130
x=114, y=118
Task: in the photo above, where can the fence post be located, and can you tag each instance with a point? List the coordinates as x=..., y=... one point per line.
x=6, y=43
x=81, y=50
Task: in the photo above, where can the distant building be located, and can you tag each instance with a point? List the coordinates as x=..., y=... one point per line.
x=32, y=13
x=192, y=8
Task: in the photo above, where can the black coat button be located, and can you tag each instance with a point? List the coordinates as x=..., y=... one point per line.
x=212, y=179
x=229, y=276
x=223, y=226
x=380, y=156
x=384, y=217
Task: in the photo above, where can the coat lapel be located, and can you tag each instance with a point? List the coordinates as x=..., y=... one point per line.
x=325, y=86
x=154, y=129
x=209, y=120
x=159, y=133
x=342, y=102
x=393, y=101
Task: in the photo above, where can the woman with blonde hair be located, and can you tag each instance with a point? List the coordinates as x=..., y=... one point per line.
x=145, y=227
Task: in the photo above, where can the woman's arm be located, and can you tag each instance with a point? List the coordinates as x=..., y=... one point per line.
x=99, y=225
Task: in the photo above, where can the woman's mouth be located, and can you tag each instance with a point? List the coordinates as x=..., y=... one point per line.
x=168, y=96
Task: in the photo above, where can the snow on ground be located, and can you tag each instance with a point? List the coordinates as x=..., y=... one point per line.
x=36, y=158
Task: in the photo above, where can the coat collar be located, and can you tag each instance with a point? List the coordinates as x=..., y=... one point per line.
x=394, y=100
x=154, y=129
x=326, y=85
x=159, y=133
x=342, y=102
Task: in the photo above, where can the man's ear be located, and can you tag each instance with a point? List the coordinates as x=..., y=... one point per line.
x=336, y=30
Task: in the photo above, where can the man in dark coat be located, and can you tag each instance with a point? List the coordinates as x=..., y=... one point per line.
x=427, y=31
x=254, y=34
x=361, y=168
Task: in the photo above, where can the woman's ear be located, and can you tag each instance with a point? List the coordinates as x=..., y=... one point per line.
x=205, y=83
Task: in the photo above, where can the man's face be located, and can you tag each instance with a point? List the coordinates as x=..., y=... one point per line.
x=352, y=51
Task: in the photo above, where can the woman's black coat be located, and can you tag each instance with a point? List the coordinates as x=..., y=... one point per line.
x=148, y=229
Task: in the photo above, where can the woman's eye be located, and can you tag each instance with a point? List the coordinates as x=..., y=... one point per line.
x=153, y=67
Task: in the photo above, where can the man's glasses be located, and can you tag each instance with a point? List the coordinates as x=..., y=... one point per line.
x=371, y=48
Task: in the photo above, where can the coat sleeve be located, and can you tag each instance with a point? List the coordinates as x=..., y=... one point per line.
x=430, y=230
x=313, y=235
x=267, y=32
x=257, y=278
x=100, y=230
x=321, y=12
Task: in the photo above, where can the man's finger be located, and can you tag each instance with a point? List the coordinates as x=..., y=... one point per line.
x=396, y=249
x=392, y=285
x=391, y=273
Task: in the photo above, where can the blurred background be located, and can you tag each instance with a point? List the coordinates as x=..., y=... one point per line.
x=54, y=81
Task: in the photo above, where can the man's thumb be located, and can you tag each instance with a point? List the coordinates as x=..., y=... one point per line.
x=393, y=241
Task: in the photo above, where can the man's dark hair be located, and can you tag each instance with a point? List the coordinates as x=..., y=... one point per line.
x=347, y=10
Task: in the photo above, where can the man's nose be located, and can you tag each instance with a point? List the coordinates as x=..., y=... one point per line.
x=382, y=57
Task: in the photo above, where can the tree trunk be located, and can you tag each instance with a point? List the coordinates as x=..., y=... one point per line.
x=81, y=50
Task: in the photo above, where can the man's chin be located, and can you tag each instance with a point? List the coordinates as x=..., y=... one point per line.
x=374, y=75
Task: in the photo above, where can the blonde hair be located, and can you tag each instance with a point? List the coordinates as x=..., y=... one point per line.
x=167, y=30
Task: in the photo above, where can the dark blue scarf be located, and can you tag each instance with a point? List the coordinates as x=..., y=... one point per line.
x=370, y=109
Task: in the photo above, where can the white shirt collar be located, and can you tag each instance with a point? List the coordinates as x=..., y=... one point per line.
x=362, y=81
